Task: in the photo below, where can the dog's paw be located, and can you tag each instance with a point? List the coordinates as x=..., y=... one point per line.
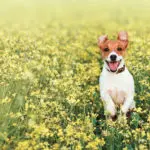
x=114, y=118
x=128, y=114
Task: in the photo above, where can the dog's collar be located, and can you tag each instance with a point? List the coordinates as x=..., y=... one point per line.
x=119, y=70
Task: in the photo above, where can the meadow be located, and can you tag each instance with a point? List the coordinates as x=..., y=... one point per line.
x=49, y=74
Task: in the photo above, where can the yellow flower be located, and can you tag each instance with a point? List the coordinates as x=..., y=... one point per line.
x=139, y=109
x=148, y=136
x=95, y=143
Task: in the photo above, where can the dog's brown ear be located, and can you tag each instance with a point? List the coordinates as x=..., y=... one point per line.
x=123, y=37
x=101, y=40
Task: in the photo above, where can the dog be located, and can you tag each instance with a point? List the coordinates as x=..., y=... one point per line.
x=116, y=82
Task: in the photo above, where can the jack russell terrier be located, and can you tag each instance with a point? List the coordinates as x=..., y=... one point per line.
x=116, y=82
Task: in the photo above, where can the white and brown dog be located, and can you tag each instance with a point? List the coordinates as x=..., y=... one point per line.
x=116, y=82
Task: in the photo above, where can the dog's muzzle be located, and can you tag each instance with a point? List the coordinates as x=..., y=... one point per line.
x=113, y=57
x=113, y=65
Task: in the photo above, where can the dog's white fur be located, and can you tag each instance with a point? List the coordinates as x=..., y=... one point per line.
x=117, y=89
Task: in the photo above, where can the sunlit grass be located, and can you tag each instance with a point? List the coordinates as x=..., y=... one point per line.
x=49, y=71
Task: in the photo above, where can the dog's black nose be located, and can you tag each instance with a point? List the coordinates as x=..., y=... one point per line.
x=113, y=57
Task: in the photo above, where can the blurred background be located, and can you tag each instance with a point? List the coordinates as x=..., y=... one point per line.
x=49, y=73
x=113, y=14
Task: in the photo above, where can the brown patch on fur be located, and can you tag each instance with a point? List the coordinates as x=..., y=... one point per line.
x=113, y=45
x=114, y=118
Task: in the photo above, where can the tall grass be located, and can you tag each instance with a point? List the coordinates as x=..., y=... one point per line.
x=49, y=74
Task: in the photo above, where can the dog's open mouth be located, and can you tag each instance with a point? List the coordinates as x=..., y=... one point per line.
x=113, y=65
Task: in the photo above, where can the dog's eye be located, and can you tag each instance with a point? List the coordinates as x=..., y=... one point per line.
x=106, y=49
x=119, y=49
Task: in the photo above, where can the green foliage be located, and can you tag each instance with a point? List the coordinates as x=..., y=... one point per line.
x=49, y=74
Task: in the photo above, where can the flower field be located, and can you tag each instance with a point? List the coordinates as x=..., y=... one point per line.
x=49, y=75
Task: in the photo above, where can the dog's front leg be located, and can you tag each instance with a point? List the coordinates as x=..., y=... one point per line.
x=108, y=104
x=128, y=104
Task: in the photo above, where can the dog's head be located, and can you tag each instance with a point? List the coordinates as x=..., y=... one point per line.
x=113, y=51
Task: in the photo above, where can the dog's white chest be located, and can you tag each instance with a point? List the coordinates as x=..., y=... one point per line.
x=117, y=95
x=117, y=86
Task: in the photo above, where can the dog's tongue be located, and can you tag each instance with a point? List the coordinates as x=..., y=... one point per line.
x=113, y=65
